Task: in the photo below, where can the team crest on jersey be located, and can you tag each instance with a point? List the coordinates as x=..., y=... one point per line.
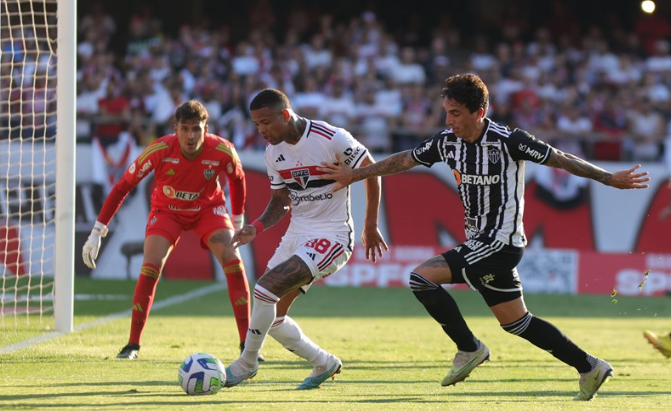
x=494, y=155
x=209, y=173
x=301, y=176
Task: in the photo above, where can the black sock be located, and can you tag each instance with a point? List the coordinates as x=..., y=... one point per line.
x=442, y=307
x=546, y=336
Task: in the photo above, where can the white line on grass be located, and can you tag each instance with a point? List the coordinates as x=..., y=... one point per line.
x=177, y=299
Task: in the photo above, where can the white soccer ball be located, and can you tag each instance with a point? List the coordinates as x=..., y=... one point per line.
x=201, y=373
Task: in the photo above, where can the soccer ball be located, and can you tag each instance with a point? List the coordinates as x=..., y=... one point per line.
x=201, y=373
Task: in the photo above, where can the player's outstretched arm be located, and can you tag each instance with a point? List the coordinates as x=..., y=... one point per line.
x=344, y=175
x=622, y=179
x=371, y=237
x=278, y=206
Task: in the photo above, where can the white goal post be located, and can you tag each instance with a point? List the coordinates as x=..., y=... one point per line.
x=66, y=160
x=37, y=159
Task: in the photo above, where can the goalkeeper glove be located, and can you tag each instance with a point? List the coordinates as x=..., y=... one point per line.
x=238, y=221
x=92, y=245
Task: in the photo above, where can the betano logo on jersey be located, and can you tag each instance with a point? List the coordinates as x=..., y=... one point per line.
x=476, y=179
x=181, y=195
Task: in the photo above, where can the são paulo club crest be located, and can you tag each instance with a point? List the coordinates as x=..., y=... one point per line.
x=302, y=176
x=209, y=173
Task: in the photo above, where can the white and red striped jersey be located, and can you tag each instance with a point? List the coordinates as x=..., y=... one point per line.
x=314, y=209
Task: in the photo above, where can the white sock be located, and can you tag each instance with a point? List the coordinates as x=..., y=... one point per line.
x=289, y=334
x=263, y=314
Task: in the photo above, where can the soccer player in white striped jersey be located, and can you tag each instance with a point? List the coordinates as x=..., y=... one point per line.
x=487, y=161
x=319, y=239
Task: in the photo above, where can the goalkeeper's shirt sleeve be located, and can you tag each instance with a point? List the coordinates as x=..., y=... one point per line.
x=114, y=200
x=238, y=190
x=236, y=182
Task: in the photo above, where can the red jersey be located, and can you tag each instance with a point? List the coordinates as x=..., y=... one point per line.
x=183, y=186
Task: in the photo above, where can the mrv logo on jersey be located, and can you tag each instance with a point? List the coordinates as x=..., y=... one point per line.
x=533, y=153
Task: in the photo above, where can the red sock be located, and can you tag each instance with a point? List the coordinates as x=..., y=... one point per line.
x=145, y=288
x=238, y=291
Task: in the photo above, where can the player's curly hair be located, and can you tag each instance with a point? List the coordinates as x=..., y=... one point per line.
x=192, y=109
x=271, y=98
x=468, y=90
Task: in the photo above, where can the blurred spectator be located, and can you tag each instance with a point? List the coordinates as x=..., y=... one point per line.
x=114, y=110
x=646, y=127
x=339, y=109
x=409, y=70
x=373, y=123
x=661, y=59
x=612, y=120
x=97, y=21
x=415, y=124
x=651, y=28
x=309, y=100
x=89, y=92
x=573, y=124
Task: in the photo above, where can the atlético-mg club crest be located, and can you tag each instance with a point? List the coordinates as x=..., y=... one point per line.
x=209, y=173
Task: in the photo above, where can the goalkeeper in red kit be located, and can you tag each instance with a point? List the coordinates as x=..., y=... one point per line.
x=187, y=166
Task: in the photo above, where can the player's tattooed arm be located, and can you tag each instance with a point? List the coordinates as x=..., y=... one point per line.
x=344, y=175
x=395, y=163
x=622, y=179
x=278, y=206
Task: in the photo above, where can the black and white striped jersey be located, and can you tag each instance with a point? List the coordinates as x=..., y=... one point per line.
x=489, y=175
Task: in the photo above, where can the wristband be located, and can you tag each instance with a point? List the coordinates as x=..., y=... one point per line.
x=100, y=228
x=259, y=226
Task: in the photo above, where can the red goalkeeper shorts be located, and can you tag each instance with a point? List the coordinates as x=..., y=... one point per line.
x=170, y=224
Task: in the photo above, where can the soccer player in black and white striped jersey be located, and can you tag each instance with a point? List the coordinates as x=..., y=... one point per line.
x=487, y=160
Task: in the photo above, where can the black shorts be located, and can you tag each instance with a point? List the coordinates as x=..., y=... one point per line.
x=487, y=266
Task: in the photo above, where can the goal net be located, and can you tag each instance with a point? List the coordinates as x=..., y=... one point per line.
x=29, y=159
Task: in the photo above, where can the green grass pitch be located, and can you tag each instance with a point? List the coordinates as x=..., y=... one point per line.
x=394, y=355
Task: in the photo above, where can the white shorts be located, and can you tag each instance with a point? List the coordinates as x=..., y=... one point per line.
x=324, y=256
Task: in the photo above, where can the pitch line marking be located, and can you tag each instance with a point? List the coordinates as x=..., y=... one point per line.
x=176, y=299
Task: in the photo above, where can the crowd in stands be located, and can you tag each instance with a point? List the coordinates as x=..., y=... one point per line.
x=602, y=92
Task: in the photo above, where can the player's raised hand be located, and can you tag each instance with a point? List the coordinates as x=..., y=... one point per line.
x=626, y=179
x=92, y=245
x=338, y=171
x=374, y=243
x=243, y=236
